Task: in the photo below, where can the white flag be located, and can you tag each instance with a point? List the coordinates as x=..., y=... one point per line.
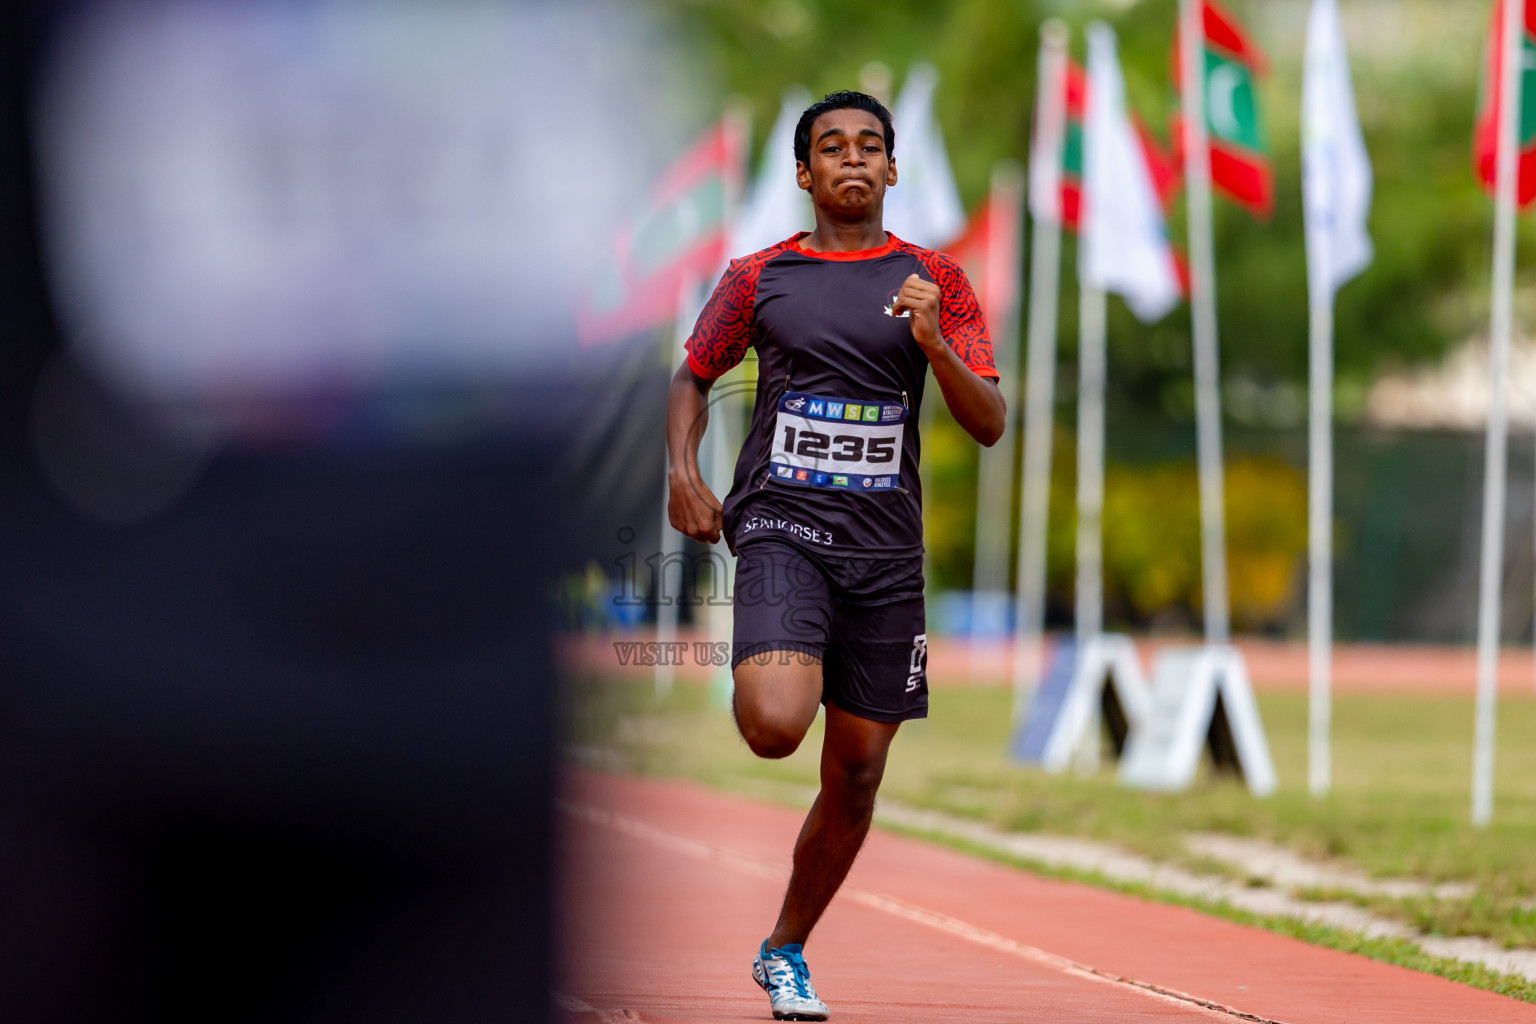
x=775, y=206
x=1336, y=170
x=1123, y=242
x=924, y=207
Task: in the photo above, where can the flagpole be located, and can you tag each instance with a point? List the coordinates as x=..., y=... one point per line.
x=1336, y=187
x=1197, y=172
x=1319, y=191
x=994, y=490
x=1320, y=534
x=1090, y=486
x=1044, y=284
x=1494, y=468
x=1090, y=461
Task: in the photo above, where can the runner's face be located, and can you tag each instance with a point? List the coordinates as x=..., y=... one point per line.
x=849, y=169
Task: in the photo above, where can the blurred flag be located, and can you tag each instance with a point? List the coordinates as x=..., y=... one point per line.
x=924, y=207
x=635, y=285
x=1058, y=192
x=988, y=252
x=1336, y=170
x=776, y=207
x=1486, y=133
x=1165, y=167
x=1239, y=153
x=1124, y=247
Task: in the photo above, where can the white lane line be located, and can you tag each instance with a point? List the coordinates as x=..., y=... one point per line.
x=656, y=836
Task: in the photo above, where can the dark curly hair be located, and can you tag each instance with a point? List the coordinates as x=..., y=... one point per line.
x=845, y=100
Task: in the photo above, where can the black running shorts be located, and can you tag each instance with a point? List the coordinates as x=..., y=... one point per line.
x=873, y=646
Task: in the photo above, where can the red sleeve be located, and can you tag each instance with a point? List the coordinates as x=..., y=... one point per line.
x=960, y=317
x=723, y=333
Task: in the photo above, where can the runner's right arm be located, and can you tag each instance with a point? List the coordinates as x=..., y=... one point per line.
x=719, y=340
x=692, y=508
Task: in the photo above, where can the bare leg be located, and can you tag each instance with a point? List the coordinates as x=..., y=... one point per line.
x=852, y=763
x=776, y=703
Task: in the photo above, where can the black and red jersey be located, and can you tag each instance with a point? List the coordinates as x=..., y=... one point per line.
x=831, y=458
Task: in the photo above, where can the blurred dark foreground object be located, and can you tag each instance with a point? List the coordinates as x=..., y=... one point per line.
x=283, y=753
x=282, y=750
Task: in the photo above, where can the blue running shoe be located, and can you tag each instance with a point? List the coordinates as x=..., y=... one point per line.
x=783, y=974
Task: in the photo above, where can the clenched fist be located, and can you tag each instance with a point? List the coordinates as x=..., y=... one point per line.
x=692, y=508
x=922, y=299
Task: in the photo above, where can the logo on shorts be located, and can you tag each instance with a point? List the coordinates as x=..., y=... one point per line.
x=918, y=662
x=795, y=404
x=802, y=474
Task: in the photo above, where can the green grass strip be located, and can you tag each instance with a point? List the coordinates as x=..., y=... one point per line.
x=1389, y=950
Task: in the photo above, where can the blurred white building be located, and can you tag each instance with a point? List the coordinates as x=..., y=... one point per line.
x=1454, y=395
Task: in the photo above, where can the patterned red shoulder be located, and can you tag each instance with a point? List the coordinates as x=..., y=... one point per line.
x=723, y=332
x=961, y=320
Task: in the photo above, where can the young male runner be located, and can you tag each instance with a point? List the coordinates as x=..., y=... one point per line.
x=825, y=512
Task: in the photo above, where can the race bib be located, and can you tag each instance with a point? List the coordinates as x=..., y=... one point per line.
x=837, y=444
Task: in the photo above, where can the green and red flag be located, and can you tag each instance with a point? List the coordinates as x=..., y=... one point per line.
x=680, y=239
x=1486, y=133
x=1230, y=68
x=1056, y=178
x=1164, y=169
x=1167, y=174
x=1072, y=146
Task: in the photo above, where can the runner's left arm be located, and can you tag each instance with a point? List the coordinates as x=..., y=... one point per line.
x=944, y=326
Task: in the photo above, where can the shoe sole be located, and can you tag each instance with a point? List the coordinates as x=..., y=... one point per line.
x=779, y=1015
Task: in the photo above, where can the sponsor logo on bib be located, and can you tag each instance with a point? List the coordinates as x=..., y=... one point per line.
x=824, y=442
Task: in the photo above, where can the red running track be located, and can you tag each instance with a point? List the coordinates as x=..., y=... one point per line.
x=669, y=887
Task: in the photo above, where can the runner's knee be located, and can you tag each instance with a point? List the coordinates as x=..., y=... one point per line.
x=855, y=782
x=775, y=706
x=769, y=731
x=853, y=762
x=771, y=738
